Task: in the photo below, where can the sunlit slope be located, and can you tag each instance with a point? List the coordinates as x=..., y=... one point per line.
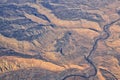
x=51, y=38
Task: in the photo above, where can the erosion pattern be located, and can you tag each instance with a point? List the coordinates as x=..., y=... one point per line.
x=59, y=40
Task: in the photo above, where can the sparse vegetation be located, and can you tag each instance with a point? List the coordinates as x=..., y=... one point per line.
x=59, y=40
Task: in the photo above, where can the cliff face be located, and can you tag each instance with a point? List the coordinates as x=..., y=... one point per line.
x=59, y=39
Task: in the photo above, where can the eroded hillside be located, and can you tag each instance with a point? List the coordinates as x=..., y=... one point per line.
x=59, y=40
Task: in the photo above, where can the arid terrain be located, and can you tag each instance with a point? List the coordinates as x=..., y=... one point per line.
x=59, y=39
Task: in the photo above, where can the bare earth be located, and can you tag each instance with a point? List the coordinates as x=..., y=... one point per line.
x=59, y=39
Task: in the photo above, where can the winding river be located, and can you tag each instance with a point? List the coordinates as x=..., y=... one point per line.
x=104, y=36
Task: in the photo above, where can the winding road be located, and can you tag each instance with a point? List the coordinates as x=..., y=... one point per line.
x=104, y=36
